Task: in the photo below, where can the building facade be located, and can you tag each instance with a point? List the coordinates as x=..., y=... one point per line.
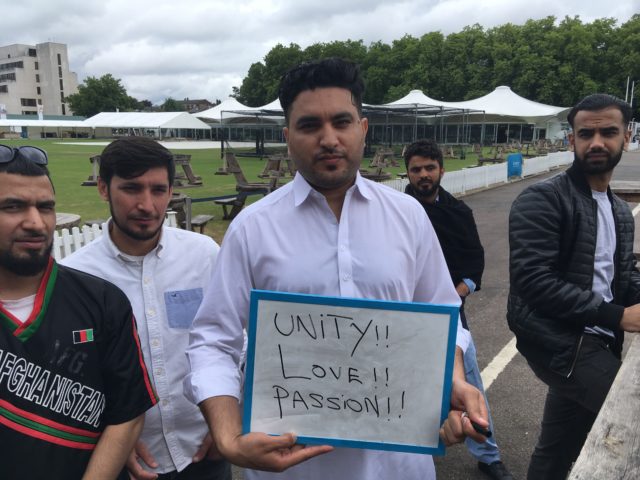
x=36, y=79
x=195, y=106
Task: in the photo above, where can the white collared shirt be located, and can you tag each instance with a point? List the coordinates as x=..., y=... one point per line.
x=383, y=247
x=165, y=288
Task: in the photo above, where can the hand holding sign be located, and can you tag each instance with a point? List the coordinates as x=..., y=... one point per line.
x=349, y=372
x=467, y=406
x=258, y=451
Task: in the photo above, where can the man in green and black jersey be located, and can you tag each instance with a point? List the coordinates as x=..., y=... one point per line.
x=73, y=384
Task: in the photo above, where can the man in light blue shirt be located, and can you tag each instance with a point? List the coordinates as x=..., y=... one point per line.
x=164, y=272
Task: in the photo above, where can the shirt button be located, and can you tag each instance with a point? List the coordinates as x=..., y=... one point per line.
x=165, y=402
x=155, y=342
x=343, y=248
x=159, y=372
x=346, y=277
x=151, y=312
x=147, y=280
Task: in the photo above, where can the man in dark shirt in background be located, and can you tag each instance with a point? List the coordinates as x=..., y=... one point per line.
x=456, y=229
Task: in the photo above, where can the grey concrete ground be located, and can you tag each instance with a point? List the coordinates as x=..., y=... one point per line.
x=516, y=397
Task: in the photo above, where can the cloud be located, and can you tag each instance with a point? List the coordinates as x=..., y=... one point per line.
x=195, y=48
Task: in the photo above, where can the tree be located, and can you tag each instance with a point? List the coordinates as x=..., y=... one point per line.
x=104, y=94
x=252, y=92
x=171, y=105
x=544, y=60
x=144, y=105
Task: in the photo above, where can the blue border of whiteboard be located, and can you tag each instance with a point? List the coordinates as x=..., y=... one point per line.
x=452, y=311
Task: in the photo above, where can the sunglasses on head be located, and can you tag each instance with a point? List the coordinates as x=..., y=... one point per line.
x=31, y=154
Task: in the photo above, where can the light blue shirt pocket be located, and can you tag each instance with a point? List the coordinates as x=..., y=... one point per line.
x=182, y=306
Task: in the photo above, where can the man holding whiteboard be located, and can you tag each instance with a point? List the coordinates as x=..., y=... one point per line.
x=328, y=232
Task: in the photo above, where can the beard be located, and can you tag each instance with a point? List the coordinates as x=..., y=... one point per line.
x=136, y=235
x=427, y=189
x=591, y=168
x=33, y=264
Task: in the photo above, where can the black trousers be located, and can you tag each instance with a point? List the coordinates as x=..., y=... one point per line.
x=203, y=470
x=571, y=407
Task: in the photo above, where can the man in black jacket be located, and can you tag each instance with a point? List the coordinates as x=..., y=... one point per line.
x=572, y=273
x=456, y=229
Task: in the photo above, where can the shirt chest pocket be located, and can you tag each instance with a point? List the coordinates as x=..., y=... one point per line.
x=182, y=306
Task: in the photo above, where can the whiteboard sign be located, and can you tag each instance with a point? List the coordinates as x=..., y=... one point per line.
x=349, y=372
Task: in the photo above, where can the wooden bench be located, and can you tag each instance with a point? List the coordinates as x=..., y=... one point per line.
x=200, y=221
x=184, y=161
x=92, y=180
x=498, y=156
x=235, y=203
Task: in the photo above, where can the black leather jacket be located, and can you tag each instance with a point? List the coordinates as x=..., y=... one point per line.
x=552, y=237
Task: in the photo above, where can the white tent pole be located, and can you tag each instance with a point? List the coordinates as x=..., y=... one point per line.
x=626, y=93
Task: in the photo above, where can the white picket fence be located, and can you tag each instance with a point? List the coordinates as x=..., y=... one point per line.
x=461, y=181
x=66, y=241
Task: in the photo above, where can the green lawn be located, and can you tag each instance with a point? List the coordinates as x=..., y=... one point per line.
x=70, y=166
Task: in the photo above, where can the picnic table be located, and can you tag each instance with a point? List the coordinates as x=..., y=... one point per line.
x=67, y=220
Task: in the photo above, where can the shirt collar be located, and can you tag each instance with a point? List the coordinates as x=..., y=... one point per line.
x=302, y=189
x=115, y=251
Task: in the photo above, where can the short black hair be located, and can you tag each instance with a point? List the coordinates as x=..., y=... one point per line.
x=600, y=101
x=130, y=157
x=22, y=166
x=423, y=148
x=328, y=72
x=27, y=168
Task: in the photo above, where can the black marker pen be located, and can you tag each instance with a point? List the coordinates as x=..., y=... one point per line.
x=481, y=430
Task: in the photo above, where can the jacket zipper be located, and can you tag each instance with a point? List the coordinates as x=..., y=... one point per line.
x=575, y=357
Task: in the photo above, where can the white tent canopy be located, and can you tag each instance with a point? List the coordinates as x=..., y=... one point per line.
x=272, y=106
x=417, y=99
x=504, y=102
x=153, y=120
x=229, y=105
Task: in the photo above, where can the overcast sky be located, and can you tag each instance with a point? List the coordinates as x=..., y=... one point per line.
x=202, y=48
